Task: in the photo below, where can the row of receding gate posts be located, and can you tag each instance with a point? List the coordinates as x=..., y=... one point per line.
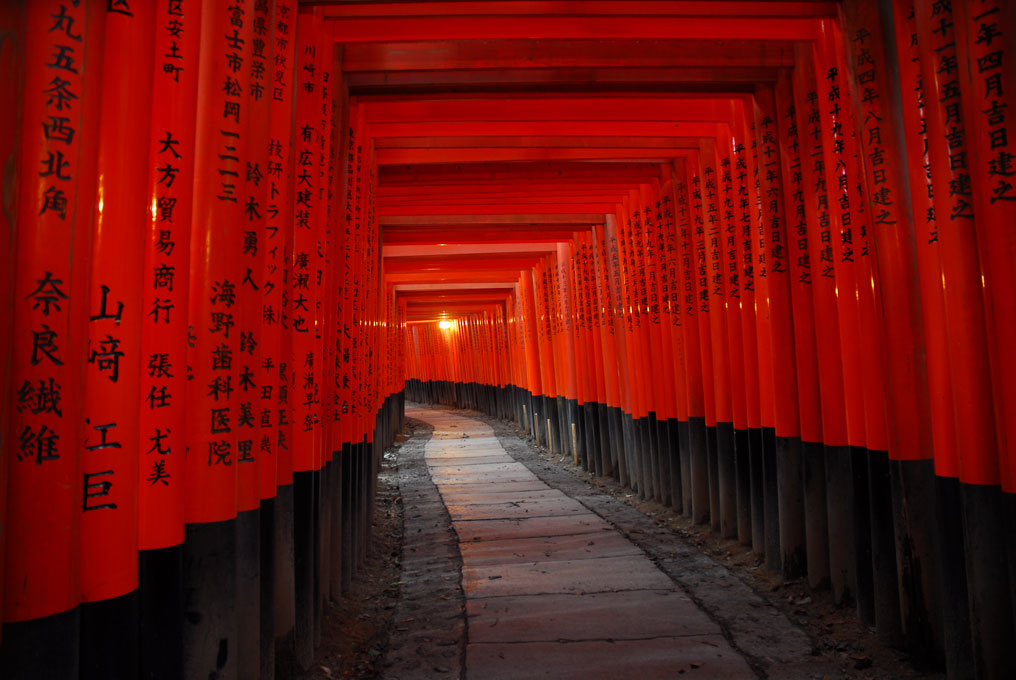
x=798, y=332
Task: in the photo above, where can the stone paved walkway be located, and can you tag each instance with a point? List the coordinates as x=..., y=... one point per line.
x=551, y=589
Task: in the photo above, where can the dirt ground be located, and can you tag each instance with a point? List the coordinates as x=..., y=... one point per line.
x=356, y=630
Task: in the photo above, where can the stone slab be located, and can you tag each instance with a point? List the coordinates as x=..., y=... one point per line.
x=469, y=460
x=457, y=470
x=630, y=615
x=485, y=478
x=504, y=529
x=607, y=574
x=706, y=657
x=457, y=449
x=470, y=488
x=592, y=545
x=493, y=495
x=516, y=509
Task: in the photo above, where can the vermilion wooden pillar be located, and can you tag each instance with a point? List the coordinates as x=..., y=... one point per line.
x=251, y=572
x=165, y=292
x=776, y=271
x=726, y=273
x=305, y=291
x=633, y=386
x=660, y=218
x=805, y=351
x=960, y=105
x=834, y=110
x=696, y=493
x=876, y=332
x=700, y=187
x=820, y=215
x=110, y=457
x=605, y=328
x=746, y=212
x=216, y=392
x=276, y=376
x=715, y=227
x=986, y=63
x=947, y=612
x=764, y=466
x=12, y=60
x=55, y=189
x=617, y=327
x=673, y=337
x=570, y=355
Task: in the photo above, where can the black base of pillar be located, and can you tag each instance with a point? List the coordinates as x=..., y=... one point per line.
x=674, y=456
x=285, y=584
x=160, y=573
x=699, y=469
x=210, y=631
x=726, y=479
x=816, y=525
x=267, y=623
x=991, y=614
x=42, y=648
x=862, y=536
x=771, y=489
x=883, y=551
x=248, y=585
x=913, y=484
x=742, y=475
x=303, y=552
x=684, y=438
x=756, y=465
x=840, y=515
x=793, y=554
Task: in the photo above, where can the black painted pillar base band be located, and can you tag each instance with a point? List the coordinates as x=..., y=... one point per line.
x=771, y=490
x=816, y=525
x=699, y=469
x=756, y=466
x=742, y=477
x=162, y=613
x=726, y=481
x=42, y=648
x=210, y=632
x=267, y=624
x=674, y=456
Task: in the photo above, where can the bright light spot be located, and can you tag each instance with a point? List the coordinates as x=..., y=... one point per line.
x=444, y=325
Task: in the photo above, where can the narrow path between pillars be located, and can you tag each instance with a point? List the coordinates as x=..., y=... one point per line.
x=551, y=589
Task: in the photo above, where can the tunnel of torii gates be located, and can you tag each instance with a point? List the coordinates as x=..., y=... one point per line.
x=755, y=260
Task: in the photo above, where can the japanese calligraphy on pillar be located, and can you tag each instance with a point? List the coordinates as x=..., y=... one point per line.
x=167, y=266
x=985, y=33
x=110, y=459
x=798, y=228
x=305, y=278
x=345, y=332
x=671, y=291
x=740, y=173
x=699, y=234
x=57, y=141
x=251, y=254
x=217, y=273
x=894, y=337
x=274, y=421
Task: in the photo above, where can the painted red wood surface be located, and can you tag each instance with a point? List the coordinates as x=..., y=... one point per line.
x=166, y=285
x=769, y=214
x=56, y=184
